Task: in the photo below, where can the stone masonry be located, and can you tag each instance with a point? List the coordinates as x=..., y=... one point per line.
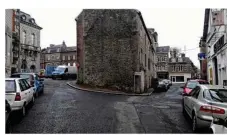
x=113, y=46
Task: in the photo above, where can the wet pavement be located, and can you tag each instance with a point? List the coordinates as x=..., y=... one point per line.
x=62, y=109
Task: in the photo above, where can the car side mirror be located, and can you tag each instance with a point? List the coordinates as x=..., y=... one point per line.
x=218, y=121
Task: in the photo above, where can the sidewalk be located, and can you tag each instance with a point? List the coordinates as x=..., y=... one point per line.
x=108, y=91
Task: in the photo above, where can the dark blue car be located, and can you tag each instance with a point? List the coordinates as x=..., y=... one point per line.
x=33, y=80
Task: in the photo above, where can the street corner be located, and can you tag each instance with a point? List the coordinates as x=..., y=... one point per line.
x=107, y=91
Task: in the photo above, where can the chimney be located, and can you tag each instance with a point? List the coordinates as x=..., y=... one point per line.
x=183, y=55
x=63, y=43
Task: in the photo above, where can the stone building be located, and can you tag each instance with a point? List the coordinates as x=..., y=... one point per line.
x=8, y=40
x=163, y=54
x=22, y=42
x=55, y=55
x=26, y=58
x=215, y=44
x=181, y=68
x=115, y=49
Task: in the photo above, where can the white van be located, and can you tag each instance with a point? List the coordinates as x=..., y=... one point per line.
x=65, y=72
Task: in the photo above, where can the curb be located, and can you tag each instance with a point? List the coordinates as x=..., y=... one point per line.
x=115, y=93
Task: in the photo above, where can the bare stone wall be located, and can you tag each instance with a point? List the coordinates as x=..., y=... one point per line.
x=109, y=44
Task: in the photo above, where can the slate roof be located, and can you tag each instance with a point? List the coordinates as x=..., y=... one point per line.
x=163, y=49
x=27, y=19
x=59, y=48
x=184, y=60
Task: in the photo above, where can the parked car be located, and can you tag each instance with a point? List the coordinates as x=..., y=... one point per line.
x=218, y=126
x=191, y=84
x=204, y=102
x=7, y=117
x=168, y=82
x=162, y=85
x=33, y=80
x=19, y=94
x=65, y=72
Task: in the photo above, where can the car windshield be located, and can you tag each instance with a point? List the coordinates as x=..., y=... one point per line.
x=219, y=95
x=192, y=85
x=10, y=86
x=60, y=69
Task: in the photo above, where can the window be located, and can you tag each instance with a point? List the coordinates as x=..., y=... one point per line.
x=71, y=57
x=66, y=70
x=191, y=84
x=74, y=64
x=174, y=68
x=24, y=37
x=163, y=58
x=180, y=68
x=22, y=85
x=48, y=57
x=141, y=52
x=63, y=57
x=145, y=60
x=52, y=57
x=218, y=95
x=195, y=92
x=68, y=64
x=179, y=78
x=74, y=57
x=149, y=63
x=10, y=86
x=58, y=50
x=179, y=59
x=33, y=39
x=26, y=84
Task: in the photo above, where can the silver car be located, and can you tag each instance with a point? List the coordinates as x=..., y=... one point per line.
x=205, y=102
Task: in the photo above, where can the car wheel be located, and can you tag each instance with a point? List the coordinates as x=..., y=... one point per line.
x=36, y=94
x=194, y=123
x=23, y=111
x=33, y=100
x=183, y=109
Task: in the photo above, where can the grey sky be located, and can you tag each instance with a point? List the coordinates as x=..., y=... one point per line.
x=176, y=27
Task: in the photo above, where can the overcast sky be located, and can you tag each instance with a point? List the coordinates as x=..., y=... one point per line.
x=175, y=27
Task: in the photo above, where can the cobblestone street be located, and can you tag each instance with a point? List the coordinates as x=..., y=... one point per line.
x=63, y=109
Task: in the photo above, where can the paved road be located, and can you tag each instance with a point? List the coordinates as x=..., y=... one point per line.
x=65, y=110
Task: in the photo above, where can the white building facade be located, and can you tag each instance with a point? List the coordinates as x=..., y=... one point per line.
x=216, y=47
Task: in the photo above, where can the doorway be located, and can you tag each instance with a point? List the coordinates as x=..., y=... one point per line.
x=216, y=69
x=173, y=78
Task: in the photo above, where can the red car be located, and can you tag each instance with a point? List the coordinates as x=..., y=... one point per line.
x=191, y=84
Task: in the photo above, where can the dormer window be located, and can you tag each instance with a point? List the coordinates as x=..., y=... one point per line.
x=23, y=17
x=173, y=60
x=32, y=20
x=179, y=59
